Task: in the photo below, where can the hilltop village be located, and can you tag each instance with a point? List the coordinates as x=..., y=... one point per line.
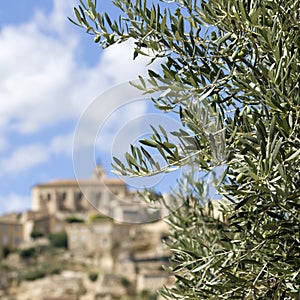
x=69, y=248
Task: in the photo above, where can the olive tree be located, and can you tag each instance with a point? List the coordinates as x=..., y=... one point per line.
x=230, y=70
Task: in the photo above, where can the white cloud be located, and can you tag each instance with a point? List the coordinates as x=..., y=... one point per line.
x=62, y=144
x=27, y=156
x=117, y=63
x=23, y=158
x=36, y=71
x=14, y=203
x=56, y=21
x=43, y=81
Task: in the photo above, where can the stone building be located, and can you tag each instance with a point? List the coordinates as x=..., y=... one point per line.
x=93, y=239
x=16, y=228
x=109, y=196
x=127, y=257
x=40, y=222
x=134, y=251
x=11, y=231
x=53, y=202
x=70, y=196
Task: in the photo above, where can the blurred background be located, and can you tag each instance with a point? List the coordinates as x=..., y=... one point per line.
x=53, y=243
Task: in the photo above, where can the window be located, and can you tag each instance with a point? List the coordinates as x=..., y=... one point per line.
x=78, y=196
x=133, y=216
x=96, y=197
x=61, y=198
x=5, y=240
x=78, y=201
x=17, y=241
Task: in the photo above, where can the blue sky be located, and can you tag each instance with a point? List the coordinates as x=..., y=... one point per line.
x=50, y=72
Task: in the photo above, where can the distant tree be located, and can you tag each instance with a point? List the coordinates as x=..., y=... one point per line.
x=33, y=274
x=74, y=219
x=125, y=282
x=40, y=271
x=93, y=276
x=98, y=217
x=27, y=253
x=230, y=71
x=5, y=251
x=35, y=234
x=148, y=295
x=59, y=240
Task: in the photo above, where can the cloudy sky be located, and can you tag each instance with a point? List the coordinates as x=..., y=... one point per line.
x=51, y=71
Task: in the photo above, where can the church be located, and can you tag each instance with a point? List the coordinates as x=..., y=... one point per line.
x=108, y=196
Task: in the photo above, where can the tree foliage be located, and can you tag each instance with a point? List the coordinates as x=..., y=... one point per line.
x=230, y=71
x=59, y=240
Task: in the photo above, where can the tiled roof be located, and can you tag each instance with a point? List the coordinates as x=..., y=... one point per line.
x=12, y=218
x=73, y=182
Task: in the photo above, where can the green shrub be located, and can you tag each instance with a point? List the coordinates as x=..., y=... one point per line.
x=40, y=271
x=93, y=276
x=97, y=217
x=33, y=274
x=125, y=282
x=5, y=251
x=27, y=253
x=59, y=240
x=35, y=234
x=4, y=266
x=73, y=219
x=53, y=269
x=148, y=295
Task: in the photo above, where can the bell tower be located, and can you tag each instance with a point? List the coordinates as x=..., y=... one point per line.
x=99, y=172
